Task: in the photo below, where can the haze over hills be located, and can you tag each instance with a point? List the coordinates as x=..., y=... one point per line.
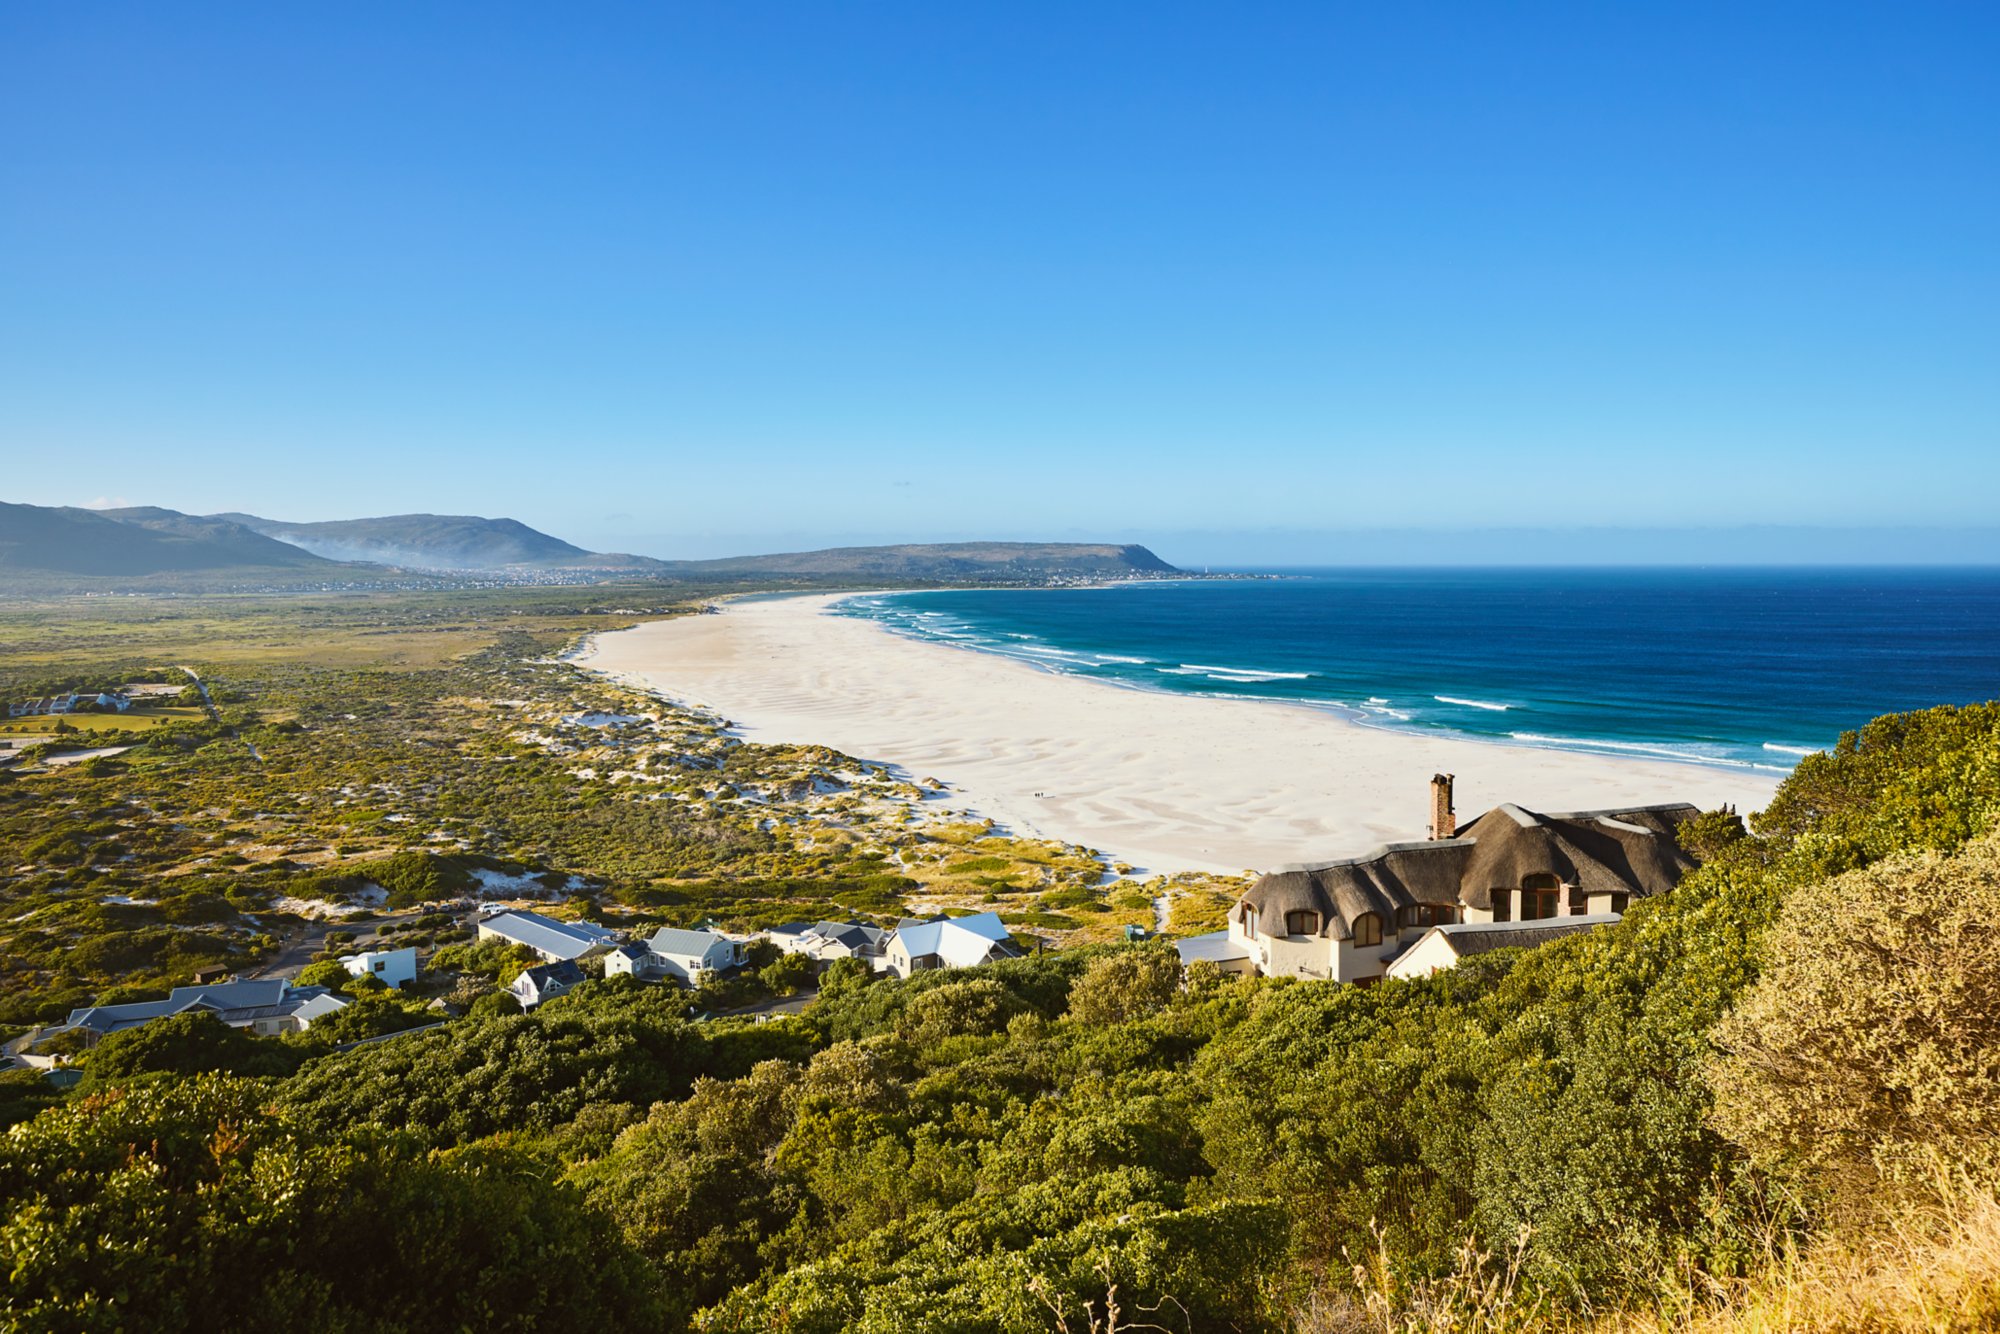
x=428, y=541
x=143, y=542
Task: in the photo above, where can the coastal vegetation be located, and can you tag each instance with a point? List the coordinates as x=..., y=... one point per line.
x=373, y=754
x=1765, y=1100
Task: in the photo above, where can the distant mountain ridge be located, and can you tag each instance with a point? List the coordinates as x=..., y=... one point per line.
x=145, y=541
x=427, y=541
x=941, y=561
x=138, y=542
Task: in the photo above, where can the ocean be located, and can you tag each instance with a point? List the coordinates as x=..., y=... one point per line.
x=1733, y=667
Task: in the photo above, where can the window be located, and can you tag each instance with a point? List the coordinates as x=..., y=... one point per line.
x=1427, y=914
x=1301, y=923
x=1249, y=920
x=1368, y=929
x=1538, y=897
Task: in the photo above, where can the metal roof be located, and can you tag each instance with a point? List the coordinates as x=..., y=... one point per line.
x=546, y=935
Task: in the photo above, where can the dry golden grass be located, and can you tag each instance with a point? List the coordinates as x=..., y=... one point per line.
x=136, y=720
x=1934, y=1272
x=1925, y=1274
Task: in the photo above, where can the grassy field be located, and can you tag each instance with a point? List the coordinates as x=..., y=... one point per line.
x=411, y=741
x=133, y=720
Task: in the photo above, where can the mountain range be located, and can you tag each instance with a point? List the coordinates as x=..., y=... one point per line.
x=145, y=542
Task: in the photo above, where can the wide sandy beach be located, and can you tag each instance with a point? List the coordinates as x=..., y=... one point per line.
x=1164, y=782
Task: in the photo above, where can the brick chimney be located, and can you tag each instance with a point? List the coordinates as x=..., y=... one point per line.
x=1443, y=823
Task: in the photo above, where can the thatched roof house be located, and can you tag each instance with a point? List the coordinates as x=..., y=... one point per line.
x=1612, y=853
x=1348, y=919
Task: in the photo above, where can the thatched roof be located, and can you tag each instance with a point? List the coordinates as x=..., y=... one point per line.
x=1632, y=851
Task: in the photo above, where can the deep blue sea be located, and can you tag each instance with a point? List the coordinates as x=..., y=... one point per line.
x=1733, y=667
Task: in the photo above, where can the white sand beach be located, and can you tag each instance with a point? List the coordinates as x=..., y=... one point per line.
x=1164, y=782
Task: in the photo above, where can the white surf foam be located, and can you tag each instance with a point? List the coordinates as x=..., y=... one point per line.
x=1791, y=750
x=1472, y=703
x=1247, y=673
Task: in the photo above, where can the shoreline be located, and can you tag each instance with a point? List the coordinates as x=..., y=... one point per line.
x=1157, y=780
x=1352, y=715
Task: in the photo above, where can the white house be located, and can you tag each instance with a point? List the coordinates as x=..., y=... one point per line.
x=545, y=981
x=317, y=1008
x=555, y=941
x=1443, y=946
x=686, y=956
x=632, y=959
x=824, y=942
x=948, y=942
x=390, y=967
x=1351, y=920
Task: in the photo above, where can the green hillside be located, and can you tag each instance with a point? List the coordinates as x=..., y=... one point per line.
x=1765, y=1100
x=137, y=542
x=431, y=541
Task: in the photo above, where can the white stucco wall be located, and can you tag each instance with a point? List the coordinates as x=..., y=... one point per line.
x=391, y=967
x=1425, y=957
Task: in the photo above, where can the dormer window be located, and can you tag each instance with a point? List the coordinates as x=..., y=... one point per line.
x=1367, y=929
x=1538, y=897
x=1427, y=914
x=1303, y=923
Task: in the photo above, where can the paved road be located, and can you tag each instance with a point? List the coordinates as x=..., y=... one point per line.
x=207, y=703
x=298, y=950
x=215, y=714
x=781, y=1005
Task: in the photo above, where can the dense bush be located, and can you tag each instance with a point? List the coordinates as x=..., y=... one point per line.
x=1866, y=1060
x=1018, y=1147
x=187, y=1204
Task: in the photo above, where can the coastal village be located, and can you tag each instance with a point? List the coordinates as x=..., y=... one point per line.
x=1510, y=879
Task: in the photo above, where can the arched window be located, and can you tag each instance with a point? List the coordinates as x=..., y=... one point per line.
x=1368, y=929
x=1538, y=897
x=1302, y=923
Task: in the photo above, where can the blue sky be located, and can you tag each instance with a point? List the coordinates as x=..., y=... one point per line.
x=692, y=280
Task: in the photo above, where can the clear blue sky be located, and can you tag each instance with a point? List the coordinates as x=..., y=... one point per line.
x=696, y=279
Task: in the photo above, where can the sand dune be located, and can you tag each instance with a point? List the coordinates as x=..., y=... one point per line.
x=1165, y=782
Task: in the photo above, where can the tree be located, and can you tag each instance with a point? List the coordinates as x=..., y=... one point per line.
x=844, y=977
x=786, y=974
x=1867, y=1058
x=189, y=1204
x=970, y=1008
x=1129, y=983
x=325, y=973
x=184, y=1044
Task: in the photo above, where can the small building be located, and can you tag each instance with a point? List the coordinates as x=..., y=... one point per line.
x=317, y=1008
x=392, y=968
x=690, y=956
x=824, y=942
x=555, y=941
x=264, y=1006
x=1218, y=949
x=544, y=982
x=1443, y=946
x=687, y=956
x=949, y=942
x=632, y=959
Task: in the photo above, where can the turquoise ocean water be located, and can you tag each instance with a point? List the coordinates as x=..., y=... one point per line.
x=1728, y=667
